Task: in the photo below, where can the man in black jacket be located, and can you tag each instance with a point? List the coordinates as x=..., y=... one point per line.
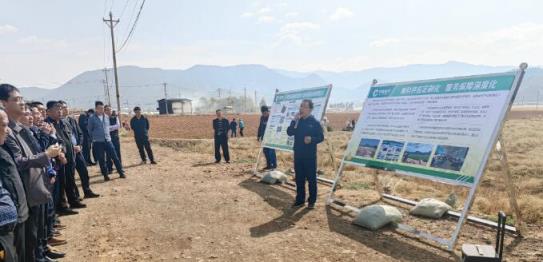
x=140, y=125
x=220, y=129
x=87, y=143
x=269, y=153
x=77, y=137
x=11, y=181
x=307, y=132
x=63, y=131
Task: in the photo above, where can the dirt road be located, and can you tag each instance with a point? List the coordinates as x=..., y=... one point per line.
x=190, y=210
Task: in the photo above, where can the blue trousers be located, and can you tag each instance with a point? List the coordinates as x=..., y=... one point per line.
x=271, y=159
x=306, y=170
x=106, y=148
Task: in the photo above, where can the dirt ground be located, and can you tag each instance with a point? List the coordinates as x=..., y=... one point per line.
x=187, y=209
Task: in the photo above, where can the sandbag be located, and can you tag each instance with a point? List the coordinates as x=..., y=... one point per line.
x=377, y=216
x=280, y=176
x=431, y=208
x=268, y=179
x=274, y=177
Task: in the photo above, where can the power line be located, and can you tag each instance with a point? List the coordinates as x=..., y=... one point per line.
x=133, y=28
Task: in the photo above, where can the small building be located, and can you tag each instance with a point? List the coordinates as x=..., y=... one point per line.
x=178, y=106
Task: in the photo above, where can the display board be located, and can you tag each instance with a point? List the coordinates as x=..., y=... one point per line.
x=285, y=106
x=441, y=129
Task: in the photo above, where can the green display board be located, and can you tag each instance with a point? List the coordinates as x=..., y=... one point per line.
x=285, y=106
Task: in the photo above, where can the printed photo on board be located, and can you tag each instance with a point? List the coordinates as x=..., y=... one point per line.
x=449, y=157
x=417, y=154
x=367, y=147
x=390, y=150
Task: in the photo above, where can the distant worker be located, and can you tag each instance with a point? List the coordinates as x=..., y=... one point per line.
x=269, y=153
x=140, y=125
x=307, y=132
x=220, y=130
x=353, y=122
x=233, y=127
x=241, y=127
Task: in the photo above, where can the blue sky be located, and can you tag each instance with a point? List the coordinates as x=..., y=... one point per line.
x=45, y=43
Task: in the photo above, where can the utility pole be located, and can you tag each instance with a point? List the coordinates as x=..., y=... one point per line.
x=256, y=102
x=219, y=93
x=111, y=24
x=106, y=81
x=166, y=98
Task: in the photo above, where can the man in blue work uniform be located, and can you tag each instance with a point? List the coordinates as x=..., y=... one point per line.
x=307, y=132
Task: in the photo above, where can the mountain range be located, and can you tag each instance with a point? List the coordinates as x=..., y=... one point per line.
x=144, y=86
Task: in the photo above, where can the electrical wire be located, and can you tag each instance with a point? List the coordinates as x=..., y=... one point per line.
x=133, y=28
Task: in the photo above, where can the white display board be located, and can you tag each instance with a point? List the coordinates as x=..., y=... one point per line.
x=440, y=129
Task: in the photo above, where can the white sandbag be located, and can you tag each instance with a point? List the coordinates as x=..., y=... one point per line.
x=377, y=216
x=431, y=208
x=268, y=179
x=279, y=176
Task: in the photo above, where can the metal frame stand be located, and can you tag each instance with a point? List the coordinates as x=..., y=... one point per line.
x=451, y=243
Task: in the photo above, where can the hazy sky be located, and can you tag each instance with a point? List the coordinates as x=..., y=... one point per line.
x=45, y=43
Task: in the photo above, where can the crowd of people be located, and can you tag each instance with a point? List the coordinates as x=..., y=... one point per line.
x=41, y=149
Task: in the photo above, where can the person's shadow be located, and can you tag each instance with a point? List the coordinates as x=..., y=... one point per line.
x=279, y=200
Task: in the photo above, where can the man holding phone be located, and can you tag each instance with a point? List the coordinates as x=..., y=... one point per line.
x=307, y=133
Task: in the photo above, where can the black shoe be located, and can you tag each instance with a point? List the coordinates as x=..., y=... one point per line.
x=298, y=204
x=48, y=259
x=90, y=194
x=66, y=212
x=55, y=255
x=143, y=162
x=218, y=161
x=228, y=162
x=77, y=205
x=311, y=206
x=153, y=162
x=121, y=175
x=106, y=178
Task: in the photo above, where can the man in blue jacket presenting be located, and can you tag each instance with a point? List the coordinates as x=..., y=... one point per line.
x=307, y=133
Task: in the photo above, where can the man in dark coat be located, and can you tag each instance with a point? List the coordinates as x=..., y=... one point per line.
x=307, y=132
x=11, y=182
x=220, y=130
x=66, y=174
x=87, y=143
x=140, y=126
x=77, y=137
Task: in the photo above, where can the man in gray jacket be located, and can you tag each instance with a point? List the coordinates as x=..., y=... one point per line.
x=31, y=164
x=98, y=128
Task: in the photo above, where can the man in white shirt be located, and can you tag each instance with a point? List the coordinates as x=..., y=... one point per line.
x=114, y=126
